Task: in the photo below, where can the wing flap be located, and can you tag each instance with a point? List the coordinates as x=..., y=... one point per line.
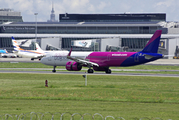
x=82, y=61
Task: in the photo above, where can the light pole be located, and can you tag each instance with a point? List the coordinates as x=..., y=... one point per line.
x=36, y=26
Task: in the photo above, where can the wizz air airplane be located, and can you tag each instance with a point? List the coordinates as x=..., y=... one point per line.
x=101, y=61
x=33, y=54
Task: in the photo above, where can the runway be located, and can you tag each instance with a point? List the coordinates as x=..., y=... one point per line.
x=25, y=60
x=95, y=73
x=48, y=70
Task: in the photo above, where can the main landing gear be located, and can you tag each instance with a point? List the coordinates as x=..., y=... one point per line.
x=54, y=69
x=90, y=70
x=107, y=71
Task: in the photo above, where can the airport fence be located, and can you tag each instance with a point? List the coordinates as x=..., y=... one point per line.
x=65, y=116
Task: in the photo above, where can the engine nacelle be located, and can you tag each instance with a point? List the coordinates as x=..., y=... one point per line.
x=73, y=66
x=99, y=68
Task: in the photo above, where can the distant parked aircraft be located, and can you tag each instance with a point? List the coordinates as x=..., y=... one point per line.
x=33, y=54
x=3, y=51
x=101, y=61
x=5, y=54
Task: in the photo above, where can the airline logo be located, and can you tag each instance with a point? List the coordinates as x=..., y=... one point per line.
x=119, y=54
x=16, y=46
x=82, y=43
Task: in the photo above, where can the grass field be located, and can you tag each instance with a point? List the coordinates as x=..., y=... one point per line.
x=118, y=96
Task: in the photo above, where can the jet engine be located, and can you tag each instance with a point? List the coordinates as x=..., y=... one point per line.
x=73, y=66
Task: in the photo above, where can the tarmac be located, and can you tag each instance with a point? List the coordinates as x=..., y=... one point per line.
x=25, y=60
x=174, y=62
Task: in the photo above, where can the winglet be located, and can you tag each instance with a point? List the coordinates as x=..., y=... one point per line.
x=69, y=54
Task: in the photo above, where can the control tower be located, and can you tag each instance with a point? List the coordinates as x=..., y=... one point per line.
x=52, y=15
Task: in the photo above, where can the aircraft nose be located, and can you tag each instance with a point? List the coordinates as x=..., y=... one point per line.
x=43, y=60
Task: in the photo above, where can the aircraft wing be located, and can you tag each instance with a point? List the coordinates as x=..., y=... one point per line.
x=82, y=61
x=39, y=56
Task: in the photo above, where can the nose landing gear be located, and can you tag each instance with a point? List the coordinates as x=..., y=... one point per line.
x=54, y=69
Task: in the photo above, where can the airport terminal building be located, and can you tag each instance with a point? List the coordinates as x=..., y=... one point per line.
x=109, y=32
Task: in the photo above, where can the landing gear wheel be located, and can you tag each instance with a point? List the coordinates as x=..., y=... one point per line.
x=54, y=69
x=108, y=71
x=32, y=58
x=90, y=71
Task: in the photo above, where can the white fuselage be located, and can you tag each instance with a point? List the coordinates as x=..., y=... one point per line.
x=28, y=54
x=59, y=58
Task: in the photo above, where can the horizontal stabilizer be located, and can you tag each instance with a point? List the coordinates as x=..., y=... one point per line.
x=148, y=57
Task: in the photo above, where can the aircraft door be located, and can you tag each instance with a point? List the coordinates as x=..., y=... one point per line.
x=136, y=58
x=108, y=57
x=50, y=58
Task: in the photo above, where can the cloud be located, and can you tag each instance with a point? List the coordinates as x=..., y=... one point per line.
x=102, y=5
x=170, y=7
x=91, y=8
x=166, y=3
x=79, y=6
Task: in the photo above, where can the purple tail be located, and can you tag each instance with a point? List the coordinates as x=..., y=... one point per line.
x=152, y=45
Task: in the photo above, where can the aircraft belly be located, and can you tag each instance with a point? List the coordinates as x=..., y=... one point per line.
x=25, y=56
x=60, y=62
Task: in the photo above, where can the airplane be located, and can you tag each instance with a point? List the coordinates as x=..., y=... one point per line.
x=101, y=61
x=38, y=48
x=5, y=54
x=33, y=54
x=3, y=51
x=59, y=58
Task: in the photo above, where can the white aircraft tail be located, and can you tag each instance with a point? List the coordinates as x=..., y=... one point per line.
x=15, y=45
x=6, y=50
x=38, y=48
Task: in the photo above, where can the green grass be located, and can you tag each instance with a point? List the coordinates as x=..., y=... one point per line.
x=128, y=97
x=23, y=65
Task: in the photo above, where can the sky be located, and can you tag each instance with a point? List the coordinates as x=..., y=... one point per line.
x=44, y=7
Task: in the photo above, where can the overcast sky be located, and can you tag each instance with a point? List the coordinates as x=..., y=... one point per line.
x=44, y=7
